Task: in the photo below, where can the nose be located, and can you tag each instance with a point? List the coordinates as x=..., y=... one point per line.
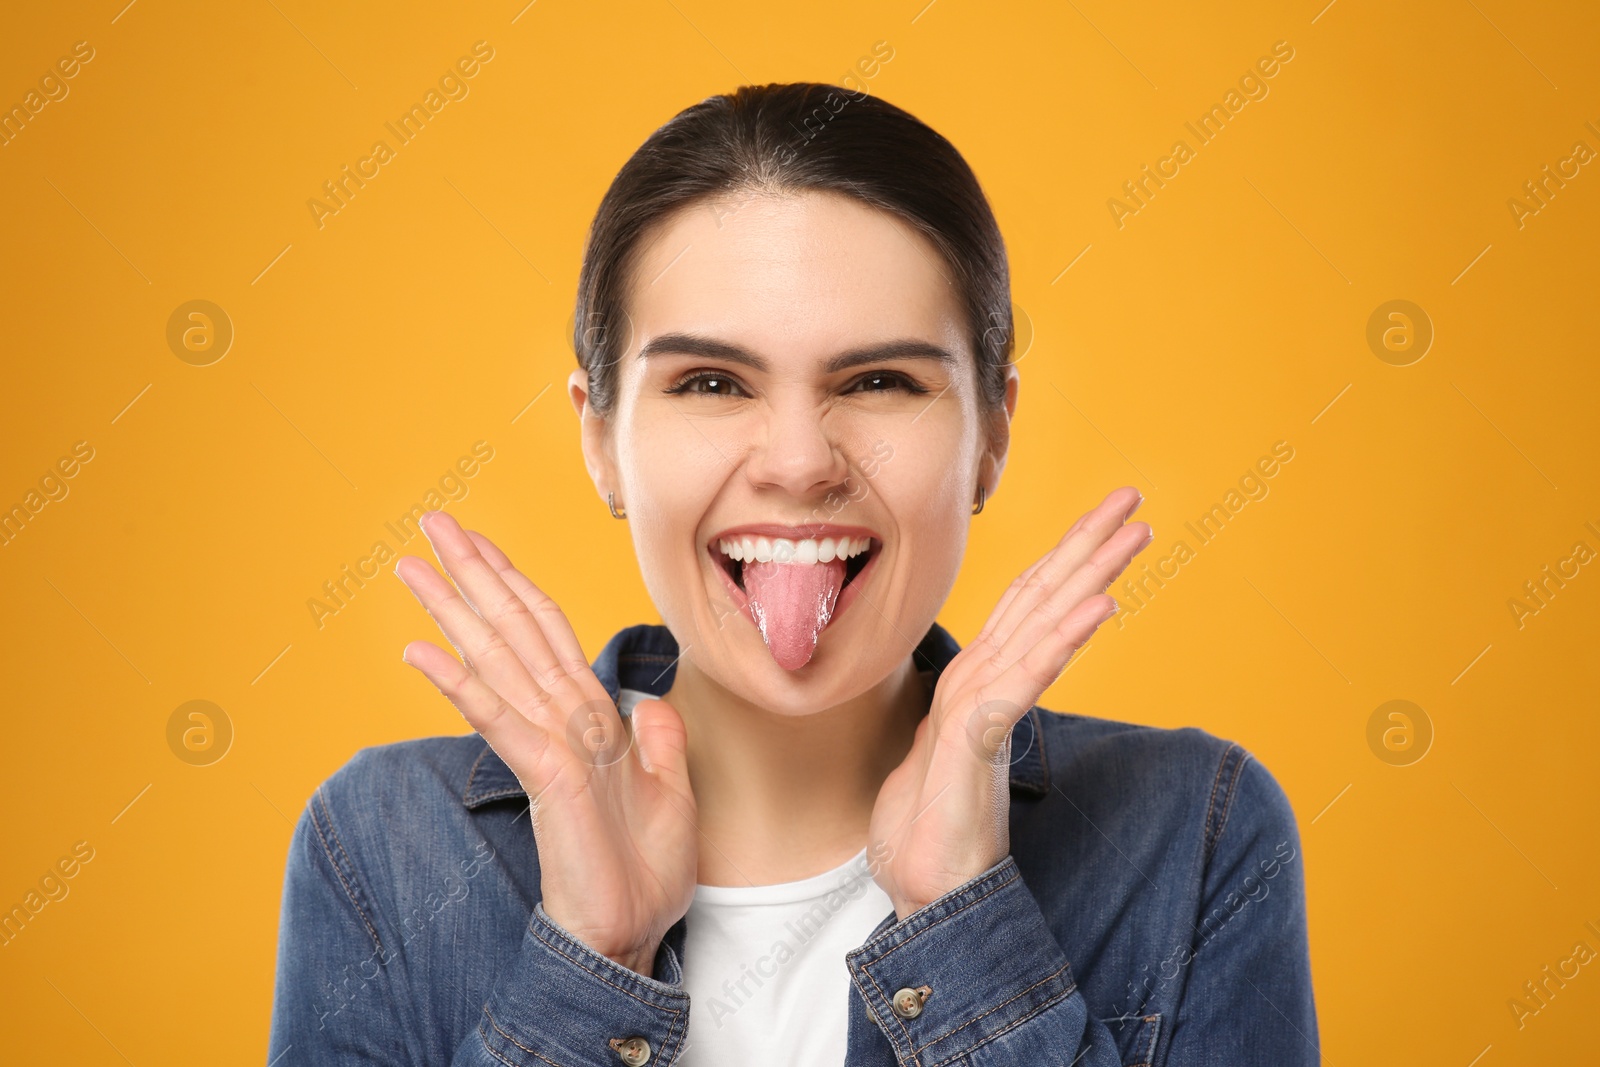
x=797, y=454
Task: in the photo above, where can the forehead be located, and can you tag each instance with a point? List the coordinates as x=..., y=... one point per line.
x=795, y=275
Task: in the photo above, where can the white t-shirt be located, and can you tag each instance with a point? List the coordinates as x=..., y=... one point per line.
x=764, y=965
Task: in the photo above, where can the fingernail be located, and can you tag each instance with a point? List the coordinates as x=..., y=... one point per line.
x=1135, y=507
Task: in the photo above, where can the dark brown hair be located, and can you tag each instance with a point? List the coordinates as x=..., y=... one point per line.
x=792, y=137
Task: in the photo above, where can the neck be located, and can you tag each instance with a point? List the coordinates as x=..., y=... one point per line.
x=784, y=797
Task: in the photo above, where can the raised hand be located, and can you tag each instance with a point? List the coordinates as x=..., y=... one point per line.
x=941, y=817
x=614, y=818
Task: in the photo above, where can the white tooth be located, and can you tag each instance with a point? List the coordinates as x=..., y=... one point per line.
x=785, y=550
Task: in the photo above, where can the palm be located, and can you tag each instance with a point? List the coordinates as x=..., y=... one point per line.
x=937, y=810
x=942, y=815
x=615, y=841
x=630, y=834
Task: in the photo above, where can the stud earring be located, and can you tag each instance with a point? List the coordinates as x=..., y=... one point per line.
x=623, y=514
x=980, y=501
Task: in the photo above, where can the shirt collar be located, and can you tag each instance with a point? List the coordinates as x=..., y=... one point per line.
x=645, y=657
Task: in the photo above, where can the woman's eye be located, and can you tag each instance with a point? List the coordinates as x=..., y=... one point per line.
x=882, y=381
x=707, y=383
x=713, y=383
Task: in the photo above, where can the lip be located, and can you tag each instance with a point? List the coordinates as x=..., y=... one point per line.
x=847, y=595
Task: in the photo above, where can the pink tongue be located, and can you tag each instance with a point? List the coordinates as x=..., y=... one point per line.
x=791, y=603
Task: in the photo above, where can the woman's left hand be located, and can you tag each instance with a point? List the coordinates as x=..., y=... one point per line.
x=942, y=816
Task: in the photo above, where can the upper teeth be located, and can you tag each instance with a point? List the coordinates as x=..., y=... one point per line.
x=783, y=550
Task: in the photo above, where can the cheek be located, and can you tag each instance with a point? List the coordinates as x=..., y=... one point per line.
x=922, y=465
x=922, y=492
x=660, y=453
x=919, y=488
x=668, y=476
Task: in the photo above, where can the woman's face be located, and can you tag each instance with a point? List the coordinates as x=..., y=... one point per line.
x=749, y=395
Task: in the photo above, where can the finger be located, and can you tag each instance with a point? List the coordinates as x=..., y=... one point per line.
x=662, y=740
x=1089, y=580
x=481, y=647
x=490, y=551
x=1111, y=502
x=1090, y=531
x=521, y=744
x=558, y=689
x=587, y=721
x=507, y=614
x=1024, y=681
x=557, y=630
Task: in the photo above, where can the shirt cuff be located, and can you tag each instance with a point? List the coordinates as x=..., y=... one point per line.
x=974, y=964
x=560, y=1001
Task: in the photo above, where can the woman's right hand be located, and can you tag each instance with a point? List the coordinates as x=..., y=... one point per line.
x=614, y=818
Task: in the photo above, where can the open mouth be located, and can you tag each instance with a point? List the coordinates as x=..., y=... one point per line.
x=790, y=586
x=732, y=553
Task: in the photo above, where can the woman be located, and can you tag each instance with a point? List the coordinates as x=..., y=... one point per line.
x=797, y=823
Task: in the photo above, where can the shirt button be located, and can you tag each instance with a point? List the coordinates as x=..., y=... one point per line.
x=633, y=1050
x=907, y=1002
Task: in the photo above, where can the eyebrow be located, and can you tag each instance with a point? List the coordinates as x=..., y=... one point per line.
x=688, y=344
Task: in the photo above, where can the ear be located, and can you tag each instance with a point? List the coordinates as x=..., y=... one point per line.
x=999, y=436
x=596, y=442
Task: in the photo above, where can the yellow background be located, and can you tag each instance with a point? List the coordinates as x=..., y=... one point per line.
x=1228, y=314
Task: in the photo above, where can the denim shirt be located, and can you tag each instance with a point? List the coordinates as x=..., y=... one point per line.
x=1151, y=911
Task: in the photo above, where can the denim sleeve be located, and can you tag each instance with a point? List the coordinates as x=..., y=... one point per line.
x=1248, y=998
x=343, y=995
x=332, y=1002
x=561, y=1002
x=998, y=987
